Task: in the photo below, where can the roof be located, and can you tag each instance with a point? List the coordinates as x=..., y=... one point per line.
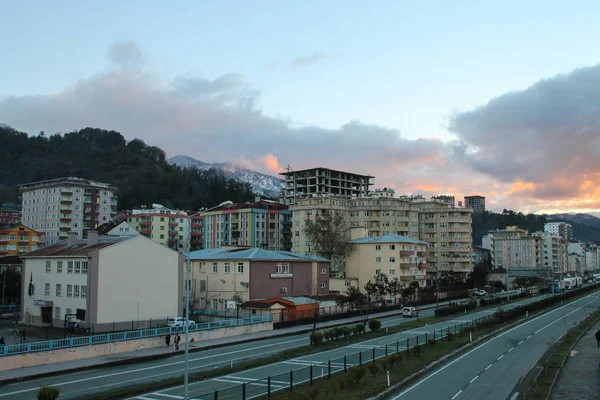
x=325, y=168
x=250, y=253
x=16, y=228
x=258, y=304
x=300, y=300
x=257, y=205
x=8, y=260
x=80, y=248
x=389, y=238
x=104, y=229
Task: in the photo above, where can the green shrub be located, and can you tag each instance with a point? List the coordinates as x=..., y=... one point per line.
x=385, y=364
x=374, y=324
x=327, y=335
x=346, y=331
x=316, y=338
x=373, y=369
x=357, y=373
x=431, y=342
x=358, y=329
x=417, y=350
x=48, y=393
x=450, y=336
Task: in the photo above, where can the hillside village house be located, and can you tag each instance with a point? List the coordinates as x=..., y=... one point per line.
x=229, y=275
x=396, y=256
x=106, y=280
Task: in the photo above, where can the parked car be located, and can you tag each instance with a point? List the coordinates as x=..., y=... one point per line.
x=179, y=321
x=410, y=312
x=479, y=292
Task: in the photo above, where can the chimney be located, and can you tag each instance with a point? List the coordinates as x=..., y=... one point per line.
x=72, y=238
x=92, y=238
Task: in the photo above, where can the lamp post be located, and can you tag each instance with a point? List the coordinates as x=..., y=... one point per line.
x=187, y=319
x=437, y=290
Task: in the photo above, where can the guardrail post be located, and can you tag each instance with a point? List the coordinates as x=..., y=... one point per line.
x=386, y=350
x=417, y=339
x=397, y=346
x=407, y=344
x=328, y=369
x=216, y=395
x=344, y=364
x=292, y=380
x=360, y=358
x=426, y=341
x=311, y=373
x=373, y=355
x=243, y=391
x=269, y=387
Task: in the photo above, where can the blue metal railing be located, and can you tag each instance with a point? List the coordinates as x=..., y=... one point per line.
x=13, y=349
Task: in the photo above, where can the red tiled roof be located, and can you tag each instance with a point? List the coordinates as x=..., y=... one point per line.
x=80, y=248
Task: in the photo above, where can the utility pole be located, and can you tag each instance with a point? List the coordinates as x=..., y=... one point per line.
x=187, y=323
x=437, y=290
x=4, y=284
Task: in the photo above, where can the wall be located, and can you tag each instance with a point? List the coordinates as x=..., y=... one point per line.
x=220, y=286
x=77, y=353
x=137, y=280
x=263, y=286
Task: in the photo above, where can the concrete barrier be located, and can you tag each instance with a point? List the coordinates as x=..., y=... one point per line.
x=78, y=353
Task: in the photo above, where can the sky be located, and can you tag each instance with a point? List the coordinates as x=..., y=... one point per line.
x=430, y=97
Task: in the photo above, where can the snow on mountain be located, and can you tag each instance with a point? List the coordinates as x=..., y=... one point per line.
x=577, y=218
x=261, y=183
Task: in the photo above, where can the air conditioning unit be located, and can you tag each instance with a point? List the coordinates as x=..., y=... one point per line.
x=283, y=290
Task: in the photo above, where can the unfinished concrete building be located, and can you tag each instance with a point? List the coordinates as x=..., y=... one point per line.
x=323, y=181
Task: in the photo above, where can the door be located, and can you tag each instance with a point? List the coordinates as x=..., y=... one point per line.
x=47, y=315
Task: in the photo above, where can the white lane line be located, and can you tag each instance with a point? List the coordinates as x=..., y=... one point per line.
x=167, y=395
x=497, y=337
x=456, y=395
x=499, y=358
x=474, y=379
x=529, y=336
x=519, y=342
x=488, y=367
x=511, y=349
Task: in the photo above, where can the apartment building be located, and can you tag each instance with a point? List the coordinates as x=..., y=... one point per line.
x=59, y=206
x=477, y=203
x=323, y=181
x=445, y=198
x=394, y=255
x=102, y=281
x=19, y=239
x=480, y=254
x=589, y=257
x=196, y=230
x=562, y=229
x=117, y=228
x=170, y=228
x=9, y=215
x=554, y=252
x=229, y=275
x=263, y=224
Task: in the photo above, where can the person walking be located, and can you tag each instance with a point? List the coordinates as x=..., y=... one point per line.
x=168, y=340
x=177, y=340
x=598, y=337
x=2, y=345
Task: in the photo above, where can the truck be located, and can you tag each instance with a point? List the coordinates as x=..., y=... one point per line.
x=557, y=286
x=570, y=283
x=578, y=281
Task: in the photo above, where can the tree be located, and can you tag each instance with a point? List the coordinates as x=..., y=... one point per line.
x=12, y=276
x=480, y=274
x=378, y=288
x=394, y=288
x=411, y=290
x=328, y=234
x=358, y=301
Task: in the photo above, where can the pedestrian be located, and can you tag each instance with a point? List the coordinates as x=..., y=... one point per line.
x=2, y=342
x=168, y=340
x=177, y=339
x=598, y=337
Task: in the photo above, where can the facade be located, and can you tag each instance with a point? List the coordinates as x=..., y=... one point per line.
x=9, y=215
x=480, y=254
x=263, y=224
x=106, y=280
x=588, y=255
x=117, y=228
x=224, y=277
x=170, y=228
x=394, y=255
x=57, y=207
x=19, y=239
x=554, y=253
x=562, y=229
x=319, y=181
x=196, y=231
x=576, y=266
x=446, y=199
x=477, y=203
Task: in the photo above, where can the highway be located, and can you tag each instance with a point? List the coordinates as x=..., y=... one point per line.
x=79, y=384
x=491, y=370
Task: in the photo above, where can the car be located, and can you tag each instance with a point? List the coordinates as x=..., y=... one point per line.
x=410, y=312
x=479, y=292
x=179, y=321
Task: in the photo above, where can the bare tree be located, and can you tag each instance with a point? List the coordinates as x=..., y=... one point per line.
x=328, y=234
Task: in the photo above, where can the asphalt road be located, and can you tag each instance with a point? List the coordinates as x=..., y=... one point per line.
x=79, y=384
x=254, y=382
x=491, y=370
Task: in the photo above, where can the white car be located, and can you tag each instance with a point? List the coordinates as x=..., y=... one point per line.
x=179, y=321
x=479, y=292
x=410, y=312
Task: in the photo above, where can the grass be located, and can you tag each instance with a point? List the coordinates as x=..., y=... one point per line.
x=555, y=357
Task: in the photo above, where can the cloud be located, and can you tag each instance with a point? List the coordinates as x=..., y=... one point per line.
x=313, y=58
x=271, y=163
x=127, y=54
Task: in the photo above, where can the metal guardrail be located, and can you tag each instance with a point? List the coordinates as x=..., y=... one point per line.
x=48, y=345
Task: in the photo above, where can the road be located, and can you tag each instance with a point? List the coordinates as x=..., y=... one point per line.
x=78, y=384
x=491, y=370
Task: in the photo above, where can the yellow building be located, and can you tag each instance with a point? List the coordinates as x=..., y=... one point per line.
x=19, y=239
x=170, y=228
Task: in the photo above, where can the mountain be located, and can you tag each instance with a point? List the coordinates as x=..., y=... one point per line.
x=139, y=171
x=586, y=227
x=261, y=183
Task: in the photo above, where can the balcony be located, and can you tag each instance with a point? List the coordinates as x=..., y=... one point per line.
x=3, y=239
x=422, y=253
x=408, y=265
x=172, y=233
x=87, y=199
x=196, y=225
x=196, y=234
x=459, y=239
x=65, y=209
x=407, y=253
x=172, y=241
x=64, y=218
x=146, y=223
x=146, y=232
x=64, y=228
x=3, y=251
x=66, y=200
x=173, y=224
x=24, y=239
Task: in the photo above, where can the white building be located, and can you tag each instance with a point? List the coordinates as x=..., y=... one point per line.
x=57, y=207
x=117, y=228
x=107, y=280
x=589, y=254
x=561, y=229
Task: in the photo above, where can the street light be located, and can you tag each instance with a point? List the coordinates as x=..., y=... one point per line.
x=187, y=319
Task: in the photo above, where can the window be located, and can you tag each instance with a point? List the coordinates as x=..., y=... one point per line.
x=323, y=271
x=240, y=268
x=47, y=289
x=77, y=267
x=76, y=294
x=348, y=283
x=203, y=286
x=378, y=247
x=227, y=268
x=392, y=247
x=323, y=285
x=83, y=292
x=286, y=268
x=69, y=290
x=69, y=267
x=378, y=259
x=392, y=259
x=215, y=268
x=215, y=304
x=58, y=290
x=377, y=272
x=84, y=267
x=57, y=312
x=392, y=272
x=48, y=267
x=68, y=311
x=59, y=267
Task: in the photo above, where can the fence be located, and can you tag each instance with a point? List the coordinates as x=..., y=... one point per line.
x=123, y=336
x=289, y=381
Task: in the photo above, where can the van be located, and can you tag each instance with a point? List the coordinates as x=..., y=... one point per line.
x=410, y=312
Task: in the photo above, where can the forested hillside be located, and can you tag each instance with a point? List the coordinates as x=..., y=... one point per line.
x=139, y=171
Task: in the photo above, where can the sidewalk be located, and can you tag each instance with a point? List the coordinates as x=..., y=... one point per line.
x=580, y=376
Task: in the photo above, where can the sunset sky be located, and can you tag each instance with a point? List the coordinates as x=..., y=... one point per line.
x=499, y=99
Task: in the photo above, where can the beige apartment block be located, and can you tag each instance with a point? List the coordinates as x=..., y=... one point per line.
x=170, y=228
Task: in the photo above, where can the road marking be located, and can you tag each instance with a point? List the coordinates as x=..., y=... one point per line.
x=511, y=349
x=488, y=367
x=456, y=395
x=167, y=395
x=499, y=358
x=519, y=342
x=497, y=337
x=239, y=382
x=474, y=379
x=529, y=336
